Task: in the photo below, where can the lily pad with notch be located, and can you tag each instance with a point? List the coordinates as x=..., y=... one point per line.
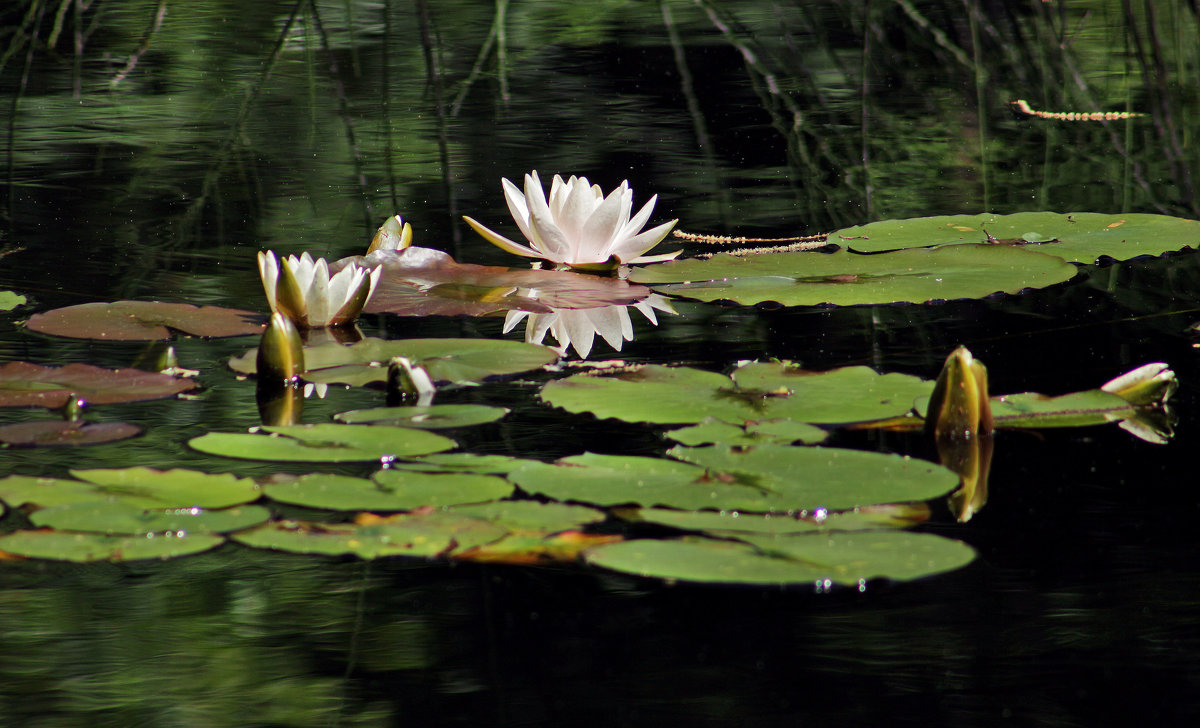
x=1080, y=237
x=24, y=384
x=65, y=433
x=145, y=321
x=425, y=534
x=433, y=417
x=328, y=443
x=386, y=490
x=846, y=279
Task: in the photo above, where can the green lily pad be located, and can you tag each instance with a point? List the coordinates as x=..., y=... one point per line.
x=29, y=490
x=10, y=300
x=426, y=534
x=817, y=559
x=1077, y=409
x=527, y=515
x=151, y=488
x=809, y=478
x=145, y=321
x=779, y=432
x=849, y=279
x=64, y=433
x=730, y=523
x=461, y=462
x=1080, y=237
x=387, y=490
x=323, y=443
x=86, y=547
x=757, y=393
x=433, y=417
x=124, y=518
x=23, y=384
x=446, y=360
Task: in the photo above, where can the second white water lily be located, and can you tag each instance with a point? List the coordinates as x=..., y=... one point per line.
x=579, y=226
x=301, y=288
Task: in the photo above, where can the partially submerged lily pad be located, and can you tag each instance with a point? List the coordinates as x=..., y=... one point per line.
x=727, y=523
x=419, y=534
x=118, y=517
x=461, y=462
x=819, y=560
x=145, y=321
x=711, y=431
x=846, y=279
x=446, y=360
x=386, y=490
x=756, y=393
x=433, y=417
x=10, y=300
x=1080, y=237
x=323, y=443
x=23, y=384
x=87, y=547
x=64, y=433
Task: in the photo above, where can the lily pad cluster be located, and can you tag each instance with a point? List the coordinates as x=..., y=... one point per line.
x=927, y=259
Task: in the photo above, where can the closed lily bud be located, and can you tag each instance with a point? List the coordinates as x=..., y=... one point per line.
x=280, y=352
x=395, y=234
x=959, y=405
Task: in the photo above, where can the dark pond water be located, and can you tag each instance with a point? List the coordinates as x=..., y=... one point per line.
x=178, y=140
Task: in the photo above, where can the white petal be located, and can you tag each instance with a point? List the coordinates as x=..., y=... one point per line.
x=634, y=225
x=316, y=297
x=502, y=242
x=577, y=330
x=268, y=271
x=655, y=258
x=601, y=228
x=512, y=318
x=518, y=207
x=630, y=248
x=547, y=237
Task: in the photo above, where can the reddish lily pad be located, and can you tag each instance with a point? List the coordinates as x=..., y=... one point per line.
x=145, y=321
x=422, y=281
x=23, y=384
x=61, y=433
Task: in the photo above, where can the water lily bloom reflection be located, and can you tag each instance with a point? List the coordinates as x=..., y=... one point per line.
x=579, y=226
x=578, y=327
x=302, y=289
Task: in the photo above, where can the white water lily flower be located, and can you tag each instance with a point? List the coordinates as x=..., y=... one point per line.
x=302, y=289
x=579, y=327
x=579, y=226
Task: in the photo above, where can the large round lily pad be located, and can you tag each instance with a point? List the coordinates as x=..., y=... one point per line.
x=152, y=488
x=323, y=443
x=145, y=321
x=63, y=433
x=811, y=478
x=23, y=384
x=387, y=490
x=86, y=547
x=1080, y=237
x=446, y=360
x=820, y=559
x=847, y=279
x=758, y=392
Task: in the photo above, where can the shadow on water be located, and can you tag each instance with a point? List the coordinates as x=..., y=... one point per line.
x=150, y=149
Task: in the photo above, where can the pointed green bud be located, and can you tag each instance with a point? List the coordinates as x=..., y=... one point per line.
x=959, y=405
x=280, y=352
x=395, y=234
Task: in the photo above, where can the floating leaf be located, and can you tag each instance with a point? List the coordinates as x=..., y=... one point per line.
x=145, y=321
x=387, y=490
x=536, y=548
x=847, y=279
x=21, y=490
x=448, y=360
x=421, y=281
x=462, y=462
x=425, y=534
x=63, y=433
x=757, y=392
x=124, y=518
x=526, y=515
x=434, y=417
x=151, y=488
x=10, y=300
x=809, y=478
x=1081, y=237
x=23, y=384
x=85, y=547
x=1077, y=409
x=892, y=515
x=819, y=559
x=323, y=443
x=780, y=432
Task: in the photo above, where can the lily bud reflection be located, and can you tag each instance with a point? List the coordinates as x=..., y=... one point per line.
x=280, y=352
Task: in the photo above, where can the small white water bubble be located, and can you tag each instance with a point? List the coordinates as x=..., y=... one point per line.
x=820, y=515
x=862, y=585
